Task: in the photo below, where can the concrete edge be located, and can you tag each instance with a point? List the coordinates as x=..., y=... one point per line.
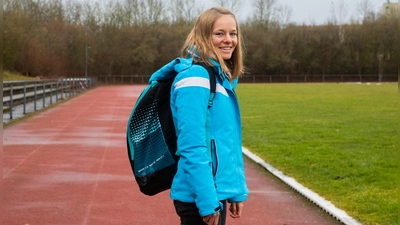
x=327, y=206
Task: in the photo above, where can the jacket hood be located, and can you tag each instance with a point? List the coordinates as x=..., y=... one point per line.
x=178, y=65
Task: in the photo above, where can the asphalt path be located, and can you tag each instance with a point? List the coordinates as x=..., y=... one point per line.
x=68, y=165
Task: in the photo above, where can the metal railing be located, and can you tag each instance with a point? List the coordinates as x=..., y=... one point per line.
x=327, y=78
x=324, y=78
x=39, y=94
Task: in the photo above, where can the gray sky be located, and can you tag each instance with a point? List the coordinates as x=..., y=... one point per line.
x=316, y=11
x=303, y=11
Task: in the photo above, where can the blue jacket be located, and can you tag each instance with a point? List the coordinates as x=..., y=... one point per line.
x=198, y=180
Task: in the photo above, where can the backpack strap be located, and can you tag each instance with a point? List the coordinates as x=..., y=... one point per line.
x=213, y=87
x=213, y=82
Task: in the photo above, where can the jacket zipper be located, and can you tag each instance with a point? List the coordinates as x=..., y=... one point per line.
x=214, y=155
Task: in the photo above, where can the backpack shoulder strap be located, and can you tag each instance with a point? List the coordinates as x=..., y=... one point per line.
x=213, y=87
x=213, y=82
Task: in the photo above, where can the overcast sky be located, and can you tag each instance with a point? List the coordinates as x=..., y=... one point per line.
x=317, y=11
x=303, y=11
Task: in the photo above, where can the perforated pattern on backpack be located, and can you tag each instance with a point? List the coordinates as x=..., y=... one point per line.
x=146, y=133
x=144, y=122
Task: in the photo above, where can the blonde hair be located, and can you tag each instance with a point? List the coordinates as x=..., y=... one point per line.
x=199, y=41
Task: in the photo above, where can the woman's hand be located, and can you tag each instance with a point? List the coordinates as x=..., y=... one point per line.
x=211, y=219
x=236, y=209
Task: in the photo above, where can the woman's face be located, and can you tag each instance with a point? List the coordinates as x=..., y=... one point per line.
x=224, y=36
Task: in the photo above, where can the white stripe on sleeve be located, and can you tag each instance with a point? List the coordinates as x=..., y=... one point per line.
x=193, y=82
x=221, y=90
x=199, y=82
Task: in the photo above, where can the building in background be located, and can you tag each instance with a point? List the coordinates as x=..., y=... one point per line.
x=390, y=9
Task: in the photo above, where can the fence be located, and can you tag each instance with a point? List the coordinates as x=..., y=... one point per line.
x=24, y=93
x=142, y=79
x=317, y=78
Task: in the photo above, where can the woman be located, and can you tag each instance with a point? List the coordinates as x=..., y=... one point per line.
x=203, y=184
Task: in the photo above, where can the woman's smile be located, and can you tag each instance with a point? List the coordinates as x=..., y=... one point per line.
x=224, y=36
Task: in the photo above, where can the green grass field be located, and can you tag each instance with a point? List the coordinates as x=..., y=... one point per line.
x=339, y=140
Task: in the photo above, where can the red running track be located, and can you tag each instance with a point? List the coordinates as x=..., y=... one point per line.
x=68, y=166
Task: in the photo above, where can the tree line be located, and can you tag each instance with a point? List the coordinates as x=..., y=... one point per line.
x=50, y=38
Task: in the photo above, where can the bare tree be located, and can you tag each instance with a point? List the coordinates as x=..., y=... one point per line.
x=365, y=10
x=232, y=5
x=264, y=11
x=92, y=16
x=152, y=10
x=117, y=14
x=284, y=14
x=183, y=11
x=338, y=13
x=45, y=38
x=73, y=12
x=133, y=12
x=342, y=12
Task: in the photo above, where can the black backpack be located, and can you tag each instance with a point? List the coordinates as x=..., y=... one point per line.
x=151, y=138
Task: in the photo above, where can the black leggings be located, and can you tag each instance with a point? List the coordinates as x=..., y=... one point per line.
x=189, y=213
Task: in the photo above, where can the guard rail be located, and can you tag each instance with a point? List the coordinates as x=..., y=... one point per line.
x=22, y=93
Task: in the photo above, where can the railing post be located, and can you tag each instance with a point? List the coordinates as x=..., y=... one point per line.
x=65, y=82
x=25, y=97
x=43, y=94
x=61, y=88
x=34, y=97
x=66, y=89
x=11, y=101
x=51, y=92
x=57, y=90
x=69, y=88
x=74, y=85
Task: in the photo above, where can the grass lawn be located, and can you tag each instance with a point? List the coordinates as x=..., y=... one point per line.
x=10, y=76
x=339, y=140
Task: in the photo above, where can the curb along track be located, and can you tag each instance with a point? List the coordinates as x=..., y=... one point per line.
x=325, y=205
